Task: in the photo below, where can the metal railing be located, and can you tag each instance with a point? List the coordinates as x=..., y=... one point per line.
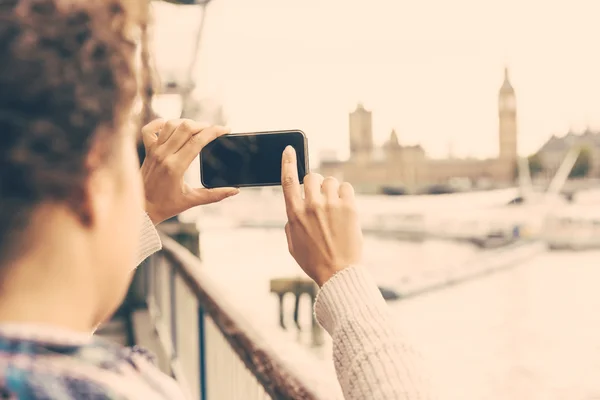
x=212, y=350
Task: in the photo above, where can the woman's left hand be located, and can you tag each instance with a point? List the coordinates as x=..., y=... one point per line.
x=171, y=146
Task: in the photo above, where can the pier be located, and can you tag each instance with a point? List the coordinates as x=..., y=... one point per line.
x=297, y=287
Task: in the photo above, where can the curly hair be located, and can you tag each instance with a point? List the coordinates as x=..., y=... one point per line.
x=68, y=80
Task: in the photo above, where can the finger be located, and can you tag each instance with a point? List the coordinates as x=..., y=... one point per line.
x=346, y=192
x=290, y=182
x=197, y=142
x=288, y=236
x=330, y=189
x=202, y=196
x=150, y=132
x=182, y=134
x=312, y=187
x=167, y=130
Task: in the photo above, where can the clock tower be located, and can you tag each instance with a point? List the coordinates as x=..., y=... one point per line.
x=507, y=117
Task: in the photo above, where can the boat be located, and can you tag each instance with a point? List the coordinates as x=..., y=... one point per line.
x=393, y=191
x=440, y=189
x=573, y=228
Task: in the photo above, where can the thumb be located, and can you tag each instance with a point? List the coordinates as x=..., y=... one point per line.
x=202, y=196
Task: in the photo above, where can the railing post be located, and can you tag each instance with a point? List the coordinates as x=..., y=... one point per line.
x=156, y=292
x=202, y=353
x=173, y=312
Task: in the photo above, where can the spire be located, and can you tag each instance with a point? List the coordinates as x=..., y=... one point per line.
x=393, y=141
x=394, y=137
x=506, y=85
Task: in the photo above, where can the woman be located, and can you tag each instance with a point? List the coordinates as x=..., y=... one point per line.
x=70, y=199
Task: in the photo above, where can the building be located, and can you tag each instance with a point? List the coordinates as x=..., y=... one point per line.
x=395, y=167
x=553, y=152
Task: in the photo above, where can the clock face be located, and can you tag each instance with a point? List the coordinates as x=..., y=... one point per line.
x=507, y=103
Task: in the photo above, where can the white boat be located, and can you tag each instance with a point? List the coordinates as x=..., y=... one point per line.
x=573, y=228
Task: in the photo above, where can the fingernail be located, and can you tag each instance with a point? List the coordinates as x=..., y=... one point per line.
x=233, y=192
x=288, y=152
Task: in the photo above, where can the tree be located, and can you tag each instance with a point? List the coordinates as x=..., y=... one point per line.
x=535, y=164
x=583, y=164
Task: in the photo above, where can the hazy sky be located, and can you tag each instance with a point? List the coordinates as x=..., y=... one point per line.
x=429, y=68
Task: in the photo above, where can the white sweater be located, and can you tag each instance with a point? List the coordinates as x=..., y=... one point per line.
x=371, y=361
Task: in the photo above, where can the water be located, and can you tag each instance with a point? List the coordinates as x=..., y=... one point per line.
x=268, y=204
x=531, y=332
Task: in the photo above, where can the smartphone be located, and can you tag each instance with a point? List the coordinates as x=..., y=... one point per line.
x=251, y=159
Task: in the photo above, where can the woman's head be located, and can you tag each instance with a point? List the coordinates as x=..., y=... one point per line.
x=69, y=184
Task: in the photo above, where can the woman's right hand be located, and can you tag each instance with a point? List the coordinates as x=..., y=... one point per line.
x=323, y=229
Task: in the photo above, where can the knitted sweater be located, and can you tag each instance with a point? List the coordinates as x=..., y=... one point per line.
x=41, y=362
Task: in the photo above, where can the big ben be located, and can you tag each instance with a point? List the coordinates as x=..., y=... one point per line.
x=507, y=117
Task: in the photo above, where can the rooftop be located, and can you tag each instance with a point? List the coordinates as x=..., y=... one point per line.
x=563, y=143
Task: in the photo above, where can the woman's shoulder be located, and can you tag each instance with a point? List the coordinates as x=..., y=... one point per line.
x=49, y=368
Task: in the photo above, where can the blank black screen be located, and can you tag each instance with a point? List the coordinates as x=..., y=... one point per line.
x=250, y=159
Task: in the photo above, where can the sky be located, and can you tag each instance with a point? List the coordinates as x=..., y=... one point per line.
x=430, y=69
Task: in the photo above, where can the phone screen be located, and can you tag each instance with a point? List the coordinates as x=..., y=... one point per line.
x=250, y=159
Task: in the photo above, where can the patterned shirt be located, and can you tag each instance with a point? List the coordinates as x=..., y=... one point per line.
x=39, y=362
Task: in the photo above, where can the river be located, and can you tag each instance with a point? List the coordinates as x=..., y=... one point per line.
x=530, y=332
